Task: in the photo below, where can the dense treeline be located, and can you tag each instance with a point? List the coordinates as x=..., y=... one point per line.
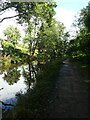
x=80, y=46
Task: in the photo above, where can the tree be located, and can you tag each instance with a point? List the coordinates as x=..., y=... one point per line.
x=85, y=17
x=80, y=45
x=13, y=35
x=51, y=40
x=43, y=33
x=25, y=10
x=35, y=26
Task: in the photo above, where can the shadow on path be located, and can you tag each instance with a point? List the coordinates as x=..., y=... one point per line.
x=70, y=96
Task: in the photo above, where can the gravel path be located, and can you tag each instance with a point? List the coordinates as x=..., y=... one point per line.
x=70, y=96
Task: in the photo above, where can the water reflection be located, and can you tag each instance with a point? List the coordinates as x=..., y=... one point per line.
x=12, y=76
x=16, y=80
x=30, y=76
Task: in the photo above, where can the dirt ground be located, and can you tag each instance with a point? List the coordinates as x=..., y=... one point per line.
x=70, y=95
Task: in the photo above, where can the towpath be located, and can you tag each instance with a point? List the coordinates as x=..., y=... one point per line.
x=70, y=96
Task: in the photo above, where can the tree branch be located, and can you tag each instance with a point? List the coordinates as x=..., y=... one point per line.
x=7, y=7
x=8, y=18
x=6, y=104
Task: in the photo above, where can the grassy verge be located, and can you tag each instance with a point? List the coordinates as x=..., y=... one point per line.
x=34, y=102
x=84, y=68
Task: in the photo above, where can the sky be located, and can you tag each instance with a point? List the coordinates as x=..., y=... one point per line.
x=66, y=11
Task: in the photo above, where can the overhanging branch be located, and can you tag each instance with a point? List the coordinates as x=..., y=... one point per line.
x=6, y=104
x=8, y=18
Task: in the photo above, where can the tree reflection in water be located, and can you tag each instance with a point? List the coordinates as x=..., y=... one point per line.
x=30, y=75
x=12, y=76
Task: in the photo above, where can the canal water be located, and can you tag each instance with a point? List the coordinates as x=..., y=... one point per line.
x=15, y=80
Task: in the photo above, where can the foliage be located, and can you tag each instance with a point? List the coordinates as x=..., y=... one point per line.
x=44, y=36
x=12, y=76
x=13, y=35
x=85, y=17
x=80, y=46
x=26, y=10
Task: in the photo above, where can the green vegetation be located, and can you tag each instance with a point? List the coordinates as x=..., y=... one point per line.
x=45, y=38
x=45, y=42
x=79, y=49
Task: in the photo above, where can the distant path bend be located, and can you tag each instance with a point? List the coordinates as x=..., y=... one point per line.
x=70, y=97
